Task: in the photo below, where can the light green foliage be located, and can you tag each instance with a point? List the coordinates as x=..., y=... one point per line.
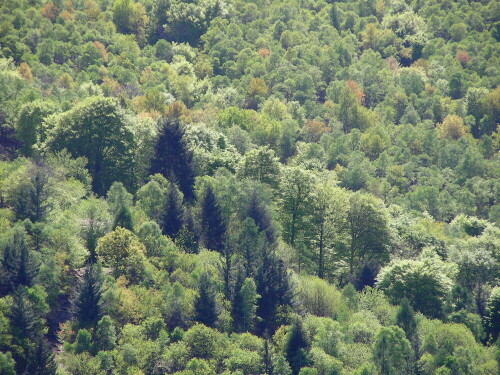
x=353, y=150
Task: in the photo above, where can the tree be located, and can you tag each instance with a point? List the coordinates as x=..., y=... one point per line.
x=205, y=305
x=32, y=198
x=492, y=318
x=425, y=282
x=105, y=335
x=334, y=17
x=296, y=195
x=244, y=305
x=296, y=347
x=7, y=364
x=42, y=359
x=120, y=201
x=258, y=211
x=96, y=129
x=173, y=159
x=368, y=228
x=213, y=226
x=83, y=342
x=405, y=318
x=452, y=127
x=29, y=128
x=123, y=252
x=95, y=222
x=87, y=303
x=392, y=351
x=19, y=265
x=151, y=197
x=173, y=212
x=275, y=290
x=261, y=165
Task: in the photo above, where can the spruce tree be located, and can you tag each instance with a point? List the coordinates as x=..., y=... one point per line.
x=296, y=347
x=257, y=210
x=87, y=304
x=405, y=318
x=18, y=264
x=213, y=226
x=205, y=305
x=334, y=17
x=188, y=237
x=173, y=159
x=275, y=290
x=173, y=212
x=41, y=359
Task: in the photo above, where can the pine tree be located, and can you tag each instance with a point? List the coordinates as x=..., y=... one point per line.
x=87, y=304
x=173, y=159
x=334, y=16
x=213, y=226
x=274, y=288
x=173, y=212
x=188, y=237
x=124, y=219
x=205, y=305
x=405, y=318
x=18, y=263
x=260, y=214
x=41, y=359
x=296, y=347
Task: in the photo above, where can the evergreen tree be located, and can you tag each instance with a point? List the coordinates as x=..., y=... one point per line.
x=25, y=324
x=87, y=304
x=213, y=226
x=41, y=360
x=205, y=305
x=334, y=17
x=105, y=336
x=173, y=159
x=173, y=212
x=248, y=244
x=296, y=347
x=120, y=201
x=83, y=342
x=188, y=237
x=405, y=318
x=257, y=210
x=244, y=303
x=18, y=264
x=274, y=288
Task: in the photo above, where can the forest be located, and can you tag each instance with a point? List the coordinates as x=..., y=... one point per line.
x=236, y=187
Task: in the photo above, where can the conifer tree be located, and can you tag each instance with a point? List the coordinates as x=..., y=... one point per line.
x=41, y=359
x=405, y=318
x=205, y=305
x=260, y=214
x=18, y=264
x=87, y=304
x=334, y=17
x=173, y=159
x=173, y=212
x=188, y=237
x=296, y=347
x=274, y=288
x=213, y=226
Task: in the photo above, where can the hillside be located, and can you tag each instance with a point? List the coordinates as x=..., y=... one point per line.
x=294, y=187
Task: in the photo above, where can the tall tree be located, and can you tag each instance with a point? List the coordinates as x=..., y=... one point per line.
x=173, y=212
x=213, y=225
x=296, y=347
x=173, y=159
x=97, y=129
x=259, y=213
x=87, y=302
x=368, y=229
x=244, y=304
x=392, y=351
x=275, y=290
x=296, y=189
x=19, y=265
x=42, y=359
x=120, y=201
x=205, y=304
